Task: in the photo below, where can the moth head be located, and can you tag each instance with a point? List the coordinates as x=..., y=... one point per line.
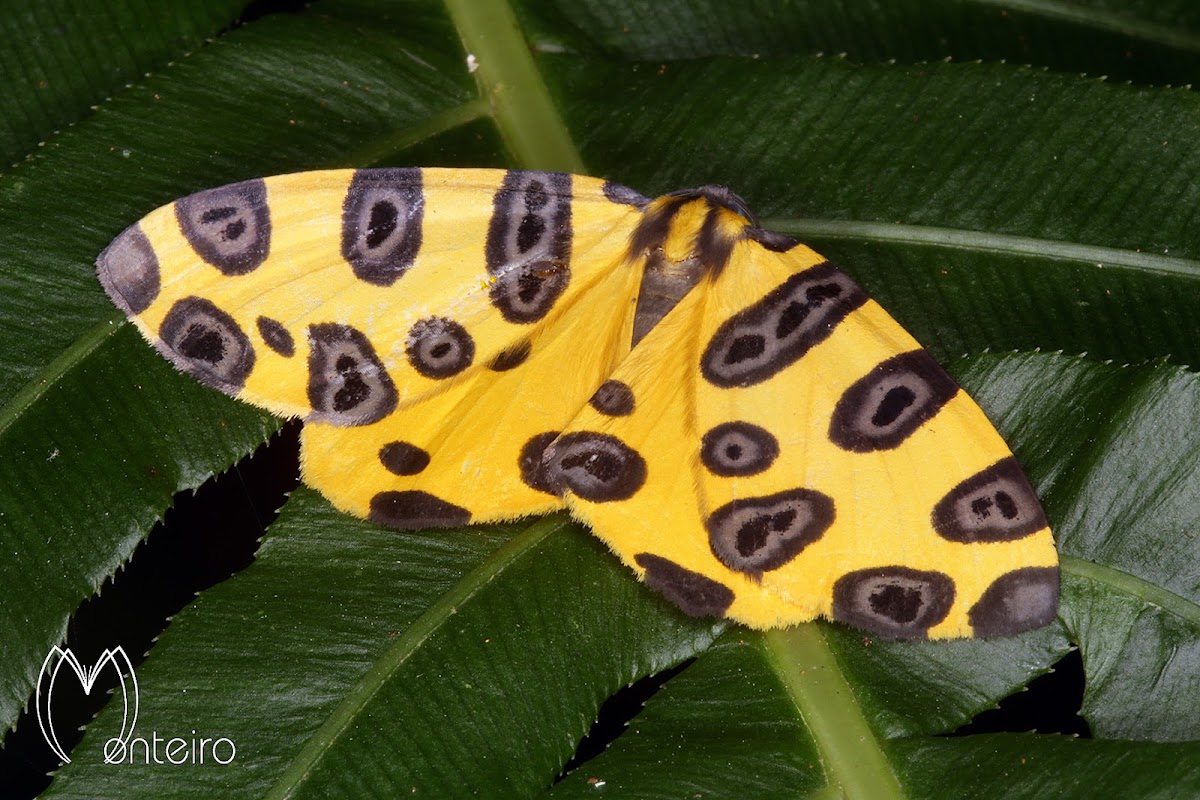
x=719, y=197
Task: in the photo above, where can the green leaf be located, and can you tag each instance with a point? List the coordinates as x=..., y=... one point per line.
x=468, y=643
x=80, y=485
x=988, y=206
x=502, y=652
x=1139, y=40
x=951, y=191
x=1029, y=766
x=59, y=60
x=705, y=731
x=72, y=520
x=1124, y=501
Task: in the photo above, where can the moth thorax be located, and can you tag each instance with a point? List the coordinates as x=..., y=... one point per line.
x=664, y=284
x=683, y=238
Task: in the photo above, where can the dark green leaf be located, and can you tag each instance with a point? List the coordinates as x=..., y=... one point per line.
x=1115, y=449
x=986, y=205
x=1139, y=40
x=61, y=58
x=506, y=640
x=1029, y=766
x=80, y=485
x=72, y=521
x=725, y=726
x=480, y=655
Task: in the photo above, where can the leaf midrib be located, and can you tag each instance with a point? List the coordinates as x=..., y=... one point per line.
x=1096, y=19
x=341, y=719
x=855, y=764
x=1131, y=585
x=62, y=365
x=1097, y=256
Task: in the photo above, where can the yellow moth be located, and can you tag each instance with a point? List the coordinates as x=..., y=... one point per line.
x=747, y=430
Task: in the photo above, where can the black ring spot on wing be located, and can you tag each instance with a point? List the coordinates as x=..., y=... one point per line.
x=382, y=220
x=415, y=510
x=738, y=448
x=757, y=534
x=995, y=505
x=347, y=383
x=439, y=348
x=511, y=358
x=128, y=270
x=893, y=602
x=229, y=227
x=595, y=467
x=532, y=463
x=528, y=248
x=402, y=458
x=1017, y=601
x=276, y=336
x=613, y=399
x=779, y=329
x=205, y=342
x=887, y=405
x=695, y=594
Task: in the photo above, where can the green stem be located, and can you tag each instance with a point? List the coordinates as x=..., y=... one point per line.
x=852, y=757
x=347, y=712
x=510, y=81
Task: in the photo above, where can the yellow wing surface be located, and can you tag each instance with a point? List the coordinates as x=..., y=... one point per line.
x=742, y=425
x=418, y=320
x=787, y=451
